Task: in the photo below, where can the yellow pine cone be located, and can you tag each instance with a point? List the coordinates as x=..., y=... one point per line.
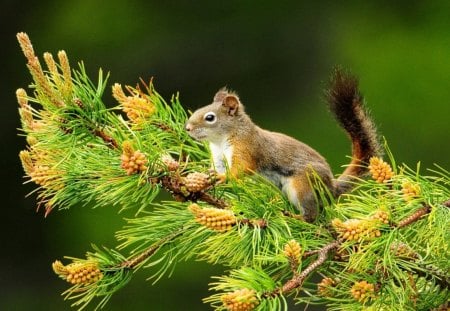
x=410, y=190
x=46, y=177
x=137, y=107
x=355, y=229
x=216, y=219
x=240, y=300
x=25, y=110
x=380, y=170
x=42, y=175
x=323, y=288
x=196, y=182
x=132, y=161
x=78, y=272
x=362, y=291
x=27, y=161
x=292, y=250
x=381, y=216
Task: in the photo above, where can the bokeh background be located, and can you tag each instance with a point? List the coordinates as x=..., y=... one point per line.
x=276, y=55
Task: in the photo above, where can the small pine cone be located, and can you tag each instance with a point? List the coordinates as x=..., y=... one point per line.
x=216, y=219
x=78, y=272
x=363, y=291
x=381, y=216
x=292, y=250
x=138, y=109
x=27, y=161
x=47, y=177
x=380, y=170
x=355, y=229
x=133, y=162
x=78, y=102
x=410, y=190
x=400, y=249
x=324, y=287
x=171, y=164
x=240, y=300
x=196, y=182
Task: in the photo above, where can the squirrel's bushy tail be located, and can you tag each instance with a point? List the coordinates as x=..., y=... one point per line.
x=347, y=105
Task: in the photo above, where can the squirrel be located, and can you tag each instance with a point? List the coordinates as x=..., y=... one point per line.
x=239, y=145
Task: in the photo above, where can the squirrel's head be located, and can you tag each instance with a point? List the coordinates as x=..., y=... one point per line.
x=216, y=121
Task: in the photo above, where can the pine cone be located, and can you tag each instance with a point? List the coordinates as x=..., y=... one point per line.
x=240, y=300
x=323, y=288
x=196, y=182
x=292, y=250
x=362, y=291
x=380, y=170
x=401, y=249
x=382, y=216
x=355, y=229
x=132, y=162
x=78, y=272
x=410, y=190
x=216, y=219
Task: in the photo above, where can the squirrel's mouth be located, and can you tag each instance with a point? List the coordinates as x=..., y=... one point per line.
x=197, y=135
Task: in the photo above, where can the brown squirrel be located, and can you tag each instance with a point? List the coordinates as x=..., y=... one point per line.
x=240, y=145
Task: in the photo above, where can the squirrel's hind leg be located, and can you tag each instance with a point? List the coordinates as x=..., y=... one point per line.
x=298, y=191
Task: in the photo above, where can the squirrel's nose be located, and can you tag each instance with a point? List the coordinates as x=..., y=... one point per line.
x=188, y=127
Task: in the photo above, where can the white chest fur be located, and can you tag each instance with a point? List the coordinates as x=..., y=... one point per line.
x=222, y=155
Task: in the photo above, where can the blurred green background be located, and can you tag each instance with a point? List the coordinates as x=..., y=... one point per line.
x=276, y=55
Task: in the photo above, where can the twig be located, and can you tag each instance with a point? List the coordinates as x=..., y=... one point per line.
x=174, y=184
x=110, y=142
x=135, y=261
x=414, y=217
x=310, y=253
x=208, y=198
x=298, y=279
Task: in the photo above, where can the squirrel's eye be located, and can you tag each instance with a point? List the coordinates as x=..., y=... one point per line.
x=210, y=117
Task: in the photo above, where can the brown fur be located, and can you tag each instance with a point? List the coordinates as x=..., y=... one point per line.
x=346, y=103
x=238, y=143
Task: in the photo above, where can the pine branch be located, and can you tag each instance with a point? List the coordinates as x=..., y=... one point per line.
x=109, y=141
x=78, y=152
x=140, y=258
x=298, y=280
x=176, y=185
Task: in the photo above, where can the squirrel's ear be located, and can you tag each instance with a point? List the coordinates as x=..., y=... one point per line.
x=231, y=104
x=220, y=95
